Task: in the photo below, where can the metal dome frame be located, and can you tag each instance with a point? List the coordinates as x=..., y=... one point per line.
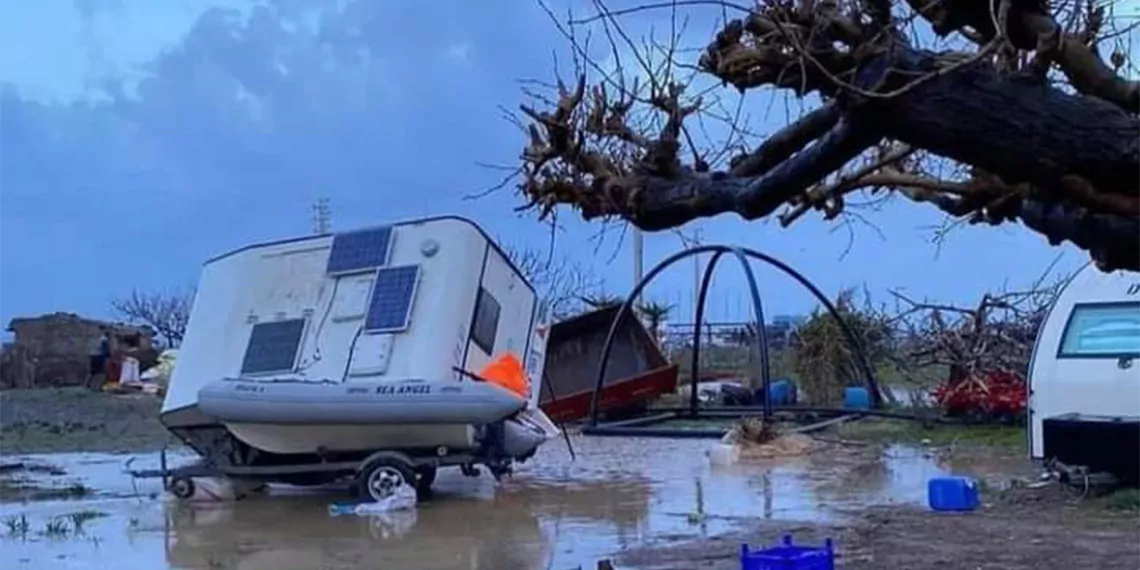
x=743, y=255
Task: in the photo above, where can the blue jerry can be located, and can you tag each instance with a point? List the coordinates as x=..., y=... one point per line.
x=952, y=494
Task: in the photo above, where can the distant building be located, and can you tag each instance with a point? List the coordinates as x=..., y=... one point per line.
x=779, y=332
x=52, y=350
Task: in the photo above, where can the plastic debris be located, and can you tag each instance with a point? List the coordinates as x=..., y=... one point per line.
x=402, y=500
x=724, y=454
x=160, y=372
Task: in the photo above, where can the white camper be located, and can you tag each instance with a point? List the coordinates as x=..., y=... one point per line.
x=312, y=359
x=1084, y=378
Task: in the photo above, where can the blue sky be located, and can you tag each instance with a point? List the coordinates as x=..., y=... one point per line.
x=138, y=138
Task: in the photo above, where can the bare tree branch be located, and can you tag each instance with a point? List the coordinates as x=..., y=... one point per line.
x=166, y=313
x=561, y=282
x=1043, y=131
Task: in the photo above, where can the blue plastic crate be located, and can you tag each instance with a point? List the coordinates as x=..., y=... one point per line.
x=788, y=556
x=952, y=494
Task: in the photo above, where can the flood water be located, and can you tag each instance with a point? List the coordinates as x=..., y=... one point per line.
x=554, y=513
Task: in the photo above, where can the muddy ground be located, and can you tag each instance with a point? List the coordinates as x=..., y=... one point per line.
x=77, y=419
x=1017, y=528
x=1021, y=525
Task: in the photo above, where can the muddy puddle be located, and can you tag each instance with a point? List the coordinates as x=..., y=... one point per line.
x=554, y=513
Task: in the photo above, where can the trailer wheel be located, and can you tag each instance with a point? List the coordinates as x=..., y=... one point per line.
x=381, y=476
x=182, y=487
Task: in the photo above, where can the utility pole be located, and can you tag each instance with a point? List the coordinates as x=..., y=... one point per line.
x=322, y=217
x=638, y=259
x=697, y=287
x=696, y=269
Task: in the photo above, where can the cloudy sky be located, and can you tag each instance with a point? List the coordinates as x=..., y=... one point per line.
x=138, y=138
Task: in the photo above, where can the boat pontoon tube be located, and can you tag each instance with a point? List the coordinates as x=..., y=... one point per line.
x=413, y=401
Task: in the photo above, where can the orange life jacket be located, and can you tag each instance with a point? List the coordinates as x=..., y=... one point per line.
x=507, y=372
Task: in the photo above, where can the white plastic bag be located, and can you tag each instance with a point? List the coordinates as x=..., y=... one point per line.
x=403, y=499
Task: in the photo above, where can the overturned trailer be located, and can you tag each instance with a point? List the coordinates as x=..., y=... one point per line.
x=359, y=355
x=638, y=371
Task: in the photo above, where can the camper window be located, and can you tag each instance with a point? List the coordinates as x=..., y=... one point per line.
x=486, y=323
x=1102, y=330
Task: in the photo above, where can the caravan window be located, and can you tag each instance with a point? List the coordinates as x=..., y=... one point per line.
x=486, y=323
x=1102, y=330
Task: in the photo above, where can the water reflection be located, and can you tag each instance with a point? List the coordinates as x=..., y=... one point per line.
x=466, y=526
x=286, y=533
x=553, y=514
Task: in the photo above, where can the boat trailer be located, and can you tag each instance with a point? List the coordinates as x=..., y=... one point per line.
x=375, y=477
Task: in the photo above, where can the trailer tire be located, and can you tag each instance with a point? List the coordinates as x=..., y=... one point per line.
x=182, y=487
x=379, y=478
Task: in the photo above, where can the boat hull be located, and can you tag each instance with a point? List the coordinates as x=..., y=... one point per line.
x=345, y=438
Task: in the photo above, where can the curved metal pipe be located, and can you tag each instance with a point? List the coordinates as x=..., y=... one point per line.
x=624, y=310
x=699, y=319
x=761, y=333
x=871, y=381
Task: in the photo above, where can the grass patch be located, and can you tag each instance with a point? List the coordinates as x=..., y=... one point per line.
x=1123, y=500
x=17, y=525
x=80, y=518
x=20, y=489
x=938, y=435
x=49, y=420
x=56, y=527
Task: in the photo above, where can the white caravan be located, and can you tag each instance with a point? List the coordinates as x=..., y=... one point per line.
x=1084, y=378
x=312, y=359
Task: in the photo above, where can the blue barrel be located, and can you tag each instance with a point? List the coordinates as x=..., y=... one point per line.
x=857, y=398
x=782, y=392
x=952, y=494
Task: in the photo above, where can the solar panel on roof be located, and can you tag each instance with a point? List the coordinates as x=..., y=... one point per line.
x=391, y=305
x=361, y=250
x=273, y=346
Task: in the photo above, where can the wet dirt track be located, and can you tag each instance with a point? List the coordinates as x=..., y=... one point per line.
x=620, y=494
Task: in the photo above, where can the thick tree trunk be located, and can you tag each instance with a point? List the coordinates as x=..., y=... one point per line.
x=1012, y=127
x=1065, y=145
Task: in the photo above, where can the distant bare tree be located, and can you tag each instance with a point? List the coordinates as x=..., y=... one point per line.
x=166, y=313
x=996, y=334
x=561, y=281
